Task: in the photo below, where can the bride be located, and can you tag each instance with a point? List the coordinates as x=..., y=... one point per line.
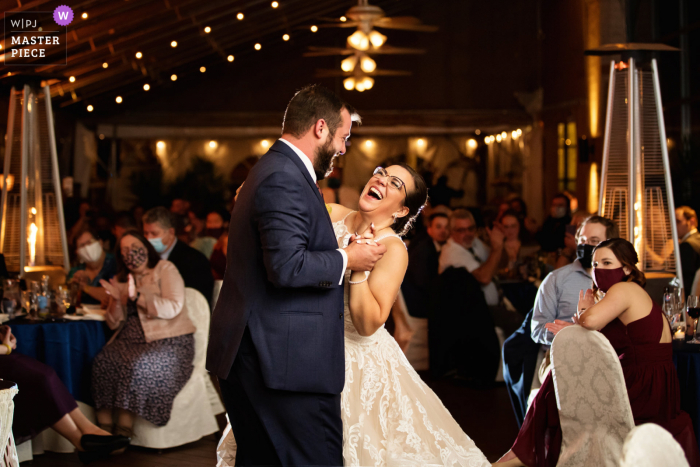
x=390, y=416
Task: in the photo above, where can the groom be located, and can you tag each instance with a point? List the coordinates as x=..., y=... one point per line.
x=276, y=339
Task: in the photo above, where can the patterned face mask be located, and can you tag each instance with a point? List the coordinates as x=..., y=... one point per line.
x=135, y=257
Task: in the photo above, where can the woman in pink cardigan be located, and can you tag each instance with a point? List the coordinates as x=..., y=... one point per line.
x=149, y=358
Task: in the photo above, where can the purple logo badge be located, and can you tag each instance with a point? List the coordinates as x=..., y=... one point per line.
x=63, y=15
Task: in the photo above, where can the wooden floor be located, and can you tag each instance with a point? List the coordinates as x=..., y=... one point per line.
x=486, y=416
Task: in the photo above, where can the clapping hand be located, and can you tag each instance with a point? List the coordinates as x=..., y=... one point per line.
x=585, y=300
x=131, y=288
x=111, y=287
x=496, y=236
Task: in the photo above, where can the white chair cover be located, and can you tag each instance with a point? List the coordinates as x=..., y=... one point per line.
x=649, y=445
x=8, y=456
x=195, y=408
x=594, y=407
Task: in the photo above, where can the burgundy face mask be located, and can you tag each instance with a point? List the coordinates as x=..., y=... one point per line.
x=606, y=278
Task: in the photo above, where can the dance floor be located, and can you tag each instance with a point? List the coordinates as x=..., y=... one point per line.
x=486, y=416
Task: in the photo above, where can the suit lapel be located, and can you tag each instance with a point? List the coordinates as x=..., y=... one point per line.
x=282, y=148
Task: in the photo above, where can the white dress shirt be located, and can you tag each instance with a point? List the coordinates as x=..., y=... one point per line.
x=310, y=167
x=455, y=255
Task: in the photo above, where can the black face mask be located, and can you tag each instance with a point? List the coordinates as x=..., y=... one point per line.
x=584, y=253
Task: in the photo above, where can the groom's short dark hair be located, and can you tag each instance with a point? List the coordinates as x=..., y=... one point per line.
x=311, y=104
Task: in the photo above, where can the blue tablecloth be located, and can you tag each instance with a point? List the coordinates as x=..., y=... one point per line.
x=687, y=360
x=67, y=347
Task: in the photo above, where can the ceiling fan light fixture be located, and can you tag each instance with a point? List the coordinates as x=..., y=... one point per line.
x=348, y=64
x=349, y=83
x=367, y=82
x=359, y=40
x=360, y=86
x=377, y=38
x=368, y=65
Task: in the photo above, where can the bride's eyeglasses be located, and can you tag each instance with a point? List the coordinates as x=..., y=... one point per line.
x=394, y=181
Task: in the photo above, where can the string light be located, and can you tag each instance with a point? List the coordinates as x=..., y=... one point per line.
x=230, y=58
x=118, y=99
x=285, y=37
x=477, y=132
x=258, y=46
x=202, y=69
x=369, y=143
x=499, y=138
x=84, y=15
x=207, y=29
x=314, y=28
x=514, y=134
x=146, y=87
x=274, y=4
x=519, y=132
x=343, y=19
x=368, y=82
x=90, y=108
x=160, y=145
x=420, y=142
x=72, y=79
x=504, y=135
x=265, y=143
x=349, y=83
x=173, y=77
x=0, y=46
x=472, y=144
x=139, y=55
x=173, y=44
x=105, y=65
x=213, y=144
x=239, y=16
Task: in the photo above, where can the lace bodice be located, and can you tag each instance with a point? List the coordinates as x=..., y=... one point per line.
x=342, y=235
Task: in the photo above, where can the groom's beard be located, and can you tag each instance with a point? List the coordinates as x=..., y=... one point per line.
x=323, y=160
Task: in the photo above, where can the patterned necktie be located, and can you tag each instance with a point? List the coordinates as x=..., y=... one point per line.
x=476, y=257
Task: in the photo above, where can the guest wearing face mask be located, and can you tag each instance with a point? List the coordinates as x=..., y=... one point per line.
x=622, y=311
x=159, y=229
x=149, y=358
x=215, y=227
x=551, y=235
x=94, y=265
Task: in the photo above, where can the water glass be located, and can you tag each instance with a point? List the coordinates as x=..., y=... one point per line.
x=693, y=304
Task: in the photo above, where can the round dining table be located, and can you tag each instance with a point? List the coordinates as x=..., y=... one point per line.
x=686, y=357
x=67, y=346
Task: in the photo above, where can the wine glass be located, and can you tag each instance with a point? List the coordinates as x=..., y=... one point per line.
x=669, y=305
x=693, y=303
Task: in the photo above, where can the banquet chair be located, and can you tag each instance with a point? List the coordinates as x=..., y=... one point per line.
x=592, y=400
x=195, y=407
x=649, y=445
x=8, y=457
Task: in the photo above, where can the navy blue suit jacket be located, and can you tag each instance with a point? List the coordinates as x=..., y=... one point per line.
x=282, y=281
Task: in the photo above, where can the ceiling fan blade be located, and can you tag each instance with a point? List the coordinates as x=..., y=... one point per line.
x=346, y=24
x=325, y=51
x=406, y=23
x=389, y=50
x=336, y=73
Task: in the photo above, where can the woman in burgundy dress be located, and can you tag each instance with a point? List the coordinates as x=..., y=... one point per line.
x=637, y=329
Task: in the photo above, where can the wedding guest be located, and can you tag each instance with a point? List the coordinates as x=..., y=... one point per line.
x=464, y=250
x=149, y=359
x=159, y=229
x=423, y=263
x=567, y=255
x=516, y=250
x=618, y=306
x=44, y=402
x=551, y=235
x=180, y=206
x=518, y=205
x=689, y=244
x=94, y=265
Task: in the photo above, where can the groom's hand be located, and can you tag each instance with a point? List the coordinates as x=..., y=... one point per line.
x=363, y=256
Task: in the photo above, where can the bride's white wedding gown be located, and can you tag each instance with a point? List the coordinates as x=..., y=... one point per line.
x=390, y=416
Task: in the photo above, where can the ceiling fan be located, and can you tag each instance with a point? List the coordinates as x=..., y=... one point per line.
x=359, y=67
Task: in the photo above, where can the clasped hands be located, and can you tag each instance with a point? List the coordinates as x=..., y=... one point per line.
x=585, y=300
x=363, y=251
x=112, y=288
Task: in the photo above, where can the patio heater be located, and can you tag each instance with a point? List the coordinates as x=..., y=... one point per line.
x=636, y=190
x=32, y=228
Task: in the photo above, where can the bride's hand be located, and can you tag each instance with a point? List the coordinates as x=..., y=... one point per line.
x=366, y=237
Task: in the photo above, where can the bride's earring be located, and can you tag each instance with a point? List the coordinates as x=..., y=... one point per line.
x=394, y=216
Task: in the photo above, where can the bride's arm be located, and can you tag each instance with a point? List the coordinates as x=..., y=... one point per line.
x=370, y=301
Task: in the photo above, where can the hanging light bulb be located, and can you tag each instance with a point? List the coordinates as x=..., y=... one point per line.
x=368, y=65
x=472, y=144
x=139, y=55
x=105, y=65
x=377, y=38
x=360, y=86
x=90, y=108
x=258, y=46
x=504, y=135
x=343, y=19
x=359, y=40
x=499, y=138
x=230, y=58
x=314, y=28
x=285, y=37
x=173, y=77
x=207, y=29
x=349, y=83
x=349, y=63
x=173, y=44
x=367, y=82
x=202, y=69
x=118, y=99
x=72, y=79
x=146, y=87
x=240, y=16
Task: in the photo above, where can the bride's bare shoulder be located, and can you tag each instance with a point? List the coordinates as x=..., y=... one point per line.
x=337, y=212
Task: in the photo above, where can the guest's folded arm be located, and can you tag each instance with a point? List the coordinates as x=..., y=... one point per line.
x=597, y=315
